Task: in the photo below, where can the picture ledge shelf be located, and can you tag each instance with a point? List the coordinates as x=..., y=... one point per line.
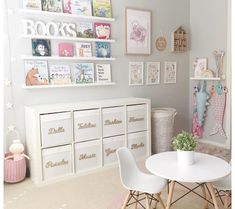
x=59, y=14
x=67, y=38
x=25, y=57
x=208, y=79
x=68, y=85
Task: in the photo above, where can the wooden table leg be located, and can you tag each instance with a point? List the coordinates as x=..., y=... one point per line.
x=203, y=187
x=212, y=191
x=226, y=200
x=170, y=195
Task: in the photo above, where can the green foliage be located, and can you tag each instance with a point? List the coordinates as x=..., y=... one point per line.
x=184, y=141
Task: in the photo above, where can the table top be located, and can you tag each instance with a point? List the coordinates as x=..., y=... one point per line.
x=206, y=168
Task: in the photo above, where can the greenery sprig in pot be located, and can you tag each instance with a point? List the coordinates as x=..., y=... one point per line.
x=185, y=144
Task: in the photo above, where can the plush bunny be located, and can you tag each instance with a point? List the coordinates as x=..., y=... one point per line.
x=17, y=150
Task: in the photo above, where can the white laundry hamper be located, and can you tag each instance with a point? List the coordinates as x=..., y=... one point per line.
x=162, y=128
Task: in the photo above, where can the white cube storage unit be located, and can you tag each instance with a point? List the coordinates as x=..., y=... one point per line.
x=56, y=129
x=88, y=155
x=110, y=146
x=87, y=125
x=64, y=140
x=56, y=162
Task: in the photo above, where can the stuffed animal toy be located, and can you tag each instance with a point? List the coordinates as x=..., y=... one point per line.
x=17, y=150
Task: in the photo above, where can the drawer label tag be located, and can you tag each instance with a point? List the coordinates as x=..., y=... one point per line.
x=133, y=119
x=55, y=131
x=137, y=146
x=110, y=151
x=86, y=125
x=112, y=122
x=51, y=164
x=87, y=156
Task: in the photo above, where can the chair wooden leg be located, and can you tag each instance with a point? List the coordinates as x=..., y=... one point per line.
x=226, y=201
x=126, y=200
x=212, y=191
x=156, y=202
x=160, y=200
x=137, y=197
x=147, y=201
x=205, y=205
x=170, y=195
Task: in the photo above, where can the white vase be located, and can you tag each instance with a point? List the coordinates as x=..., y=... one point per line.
x=185, y=157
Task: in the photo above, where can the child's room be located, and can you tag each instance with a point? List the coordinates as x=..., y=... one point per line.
x=116, y=104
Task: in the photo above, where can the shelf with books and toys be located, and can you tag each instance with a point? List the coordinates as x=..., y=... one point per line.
x=206, y=79
x=26, y=57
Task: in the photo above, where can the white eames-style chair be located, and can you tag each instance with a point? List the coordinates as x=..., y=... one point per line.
x=137, y=182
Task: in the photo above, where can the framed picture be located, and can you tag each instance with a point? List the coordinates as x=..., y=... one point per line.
x=152, y=73
x=170, y=72
x=138, y=31
x=200, y=66
x=136, y=70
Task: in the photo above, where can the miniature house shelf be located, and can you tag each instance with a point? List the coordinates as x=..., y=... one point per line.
x=55, y=14
x=179, y=40
x=206, y=79
x=66, y=140
x=25, y=57
x=69, y=85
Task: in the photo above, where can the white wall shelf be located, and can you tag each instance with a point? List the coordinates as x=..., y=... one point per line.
x=68, y=85
x=26, y=57
x=206, y=79
x=57, y=14
x=67, y=38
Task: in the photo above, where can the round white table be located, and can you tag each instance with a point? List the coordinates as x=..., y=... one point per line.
x=206, y=169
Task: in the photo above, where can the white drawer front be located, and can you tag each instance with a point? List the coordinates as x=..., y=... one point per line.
x=57, y=162
x=136, y=118
x=137, y=143
x=110, y=145
x=86, y=125
x=113, y=121
x=56, y=129
x=87, y=155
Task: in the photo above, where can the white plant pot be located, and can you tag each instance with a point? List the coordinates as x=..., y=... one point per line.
x=185, y=157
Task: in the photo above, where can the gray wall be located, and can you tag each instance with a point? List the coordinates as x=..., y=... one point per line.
x=166, y=16
x=209, y=28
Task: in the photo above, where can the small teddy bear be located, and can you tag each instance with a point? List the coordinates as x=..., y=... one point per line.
x=17, y=150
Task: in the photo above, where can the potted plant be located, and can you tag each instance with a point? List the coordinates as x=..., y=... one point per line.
x=185, y=144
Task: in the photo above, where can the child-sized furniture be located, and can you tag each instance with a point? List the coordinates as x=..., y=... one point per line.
x=65, y=140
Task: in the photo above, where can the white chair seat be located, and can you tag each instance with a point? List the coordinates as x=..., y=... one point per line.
x=223, y=184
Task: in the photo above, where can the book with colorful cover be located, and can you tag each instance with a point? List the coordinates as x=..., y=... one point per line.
x=32, y=4
x=52, y=5
x=103, y=73
x=83, y=49
x=36, y=73
x=103, y=49
x=83, y=73
x=41, y=47
x=66, y=49
x=102, y=8
x=102, y=30
x=81, y=7
x=60, y=74
x=85, y=30
x=67, y=6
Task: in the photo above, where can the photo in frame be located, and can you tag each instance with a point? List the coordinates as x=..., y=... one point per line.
x=170, y=70
x=136, y=74
x=153, y=73
x=138, y=31
x=199, y=66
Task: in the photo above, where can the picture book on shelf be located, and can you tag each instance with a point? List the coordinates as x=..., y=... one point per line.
x=59, y=74
x=83, y=72
x=36, y=73
x=85, y=30
x=81, y=7
x=102, y=49
x=41, y=47
x=83, y=49
x=67, y=6
x=102, y=30
x=102, y=8
x=52, y=5
x=32, y=4
x=103, y=73
x=66, y=49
